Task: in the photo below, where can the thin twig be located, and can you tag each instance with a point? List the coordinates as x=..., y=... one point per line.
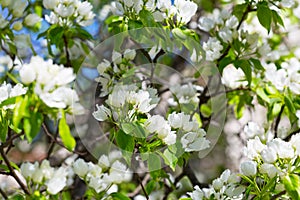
x=58, y=142
x=13, y=173
x=138, y=189
x=142, y=186
x=287, y=138
x=68, y=63
x=3, y=194
x=51, y=147
x=277, y=122
x=278, y=195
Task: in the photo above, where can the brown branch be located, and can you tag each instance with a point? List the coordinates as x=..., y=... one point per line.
x=13, y=173
x=51, y=147
x=56, y=141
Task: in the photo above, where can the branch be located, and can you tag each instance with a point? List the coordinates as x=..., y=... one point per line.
x=287, y=138
x=142, y=186
x=13, y=173
x=278, y=195
x=58, y=142
x=3, y=194
x=68, y=63
x=277, y=122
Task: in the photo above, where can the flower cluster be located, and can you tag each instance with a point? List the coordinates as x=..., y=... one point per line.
x=51, y=83
x=182, y=10
x=17, y=9
x=273, y=160
x=185, y=94
x=101, y=176
x=9, y=91
x=287, y=76
x=224, y=187
x=55, y=179
x=126, y=102
x=110, y=73
x=69, y=12
x=193, y=138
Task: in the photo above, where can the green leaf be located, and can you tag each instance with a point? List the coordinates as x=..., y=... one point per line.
x=246, y=67
x=151, y=185
x=154, y=162
x=64, y=132
x=20, y=110
x=289, y=103
x=178, y=33
x=134, y=24
x=291, y=183
x=239, y=10
x=170, y=159
x=119, y=196
x=32, y=125
x=261, y=93
x=3, y=126
x=264, y=15
x=147, y=18
x=223, y=63
x=276, y=18
x=128, y=128
x=256, y=64
x=126, y=143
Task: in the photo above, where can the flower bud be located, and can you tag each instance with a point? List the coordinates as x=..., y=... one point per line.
x=269, y=155
x=249, y=168
x=31, y=19
x=80, y=167
x=18, y=8
x=17, y=26
x=129, y=54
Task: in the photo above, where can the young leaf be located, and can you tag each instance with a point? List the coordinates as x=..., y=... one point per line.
x=291, y=183
x=64, y=132
x=246, y=67
x=3, y=127
x=126, y=143
x=147, y=18
x=119, y=196
x=264, y=15
x=154, y=162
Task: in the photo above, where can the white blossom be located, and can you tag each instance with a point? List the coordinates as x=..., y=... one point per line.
x=129, y=54
x=212, y=49
x=80, y=167
x=295, y=142
x=253, y=148
x=50, y=4
x=197, y=194
x=206, y=23
x=269, y=155
x=32, y=19
x=57, y=182
x=28, y=169
x=252, y=129
x=185, y=10
x=283, y=149
x=248, y=168
x=102, y=113
x=194, y=141
x=269, y=169
x=233, y=78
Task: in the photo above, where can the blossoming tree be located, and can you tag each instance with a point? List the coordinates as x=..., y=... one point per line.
x=124, y=111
